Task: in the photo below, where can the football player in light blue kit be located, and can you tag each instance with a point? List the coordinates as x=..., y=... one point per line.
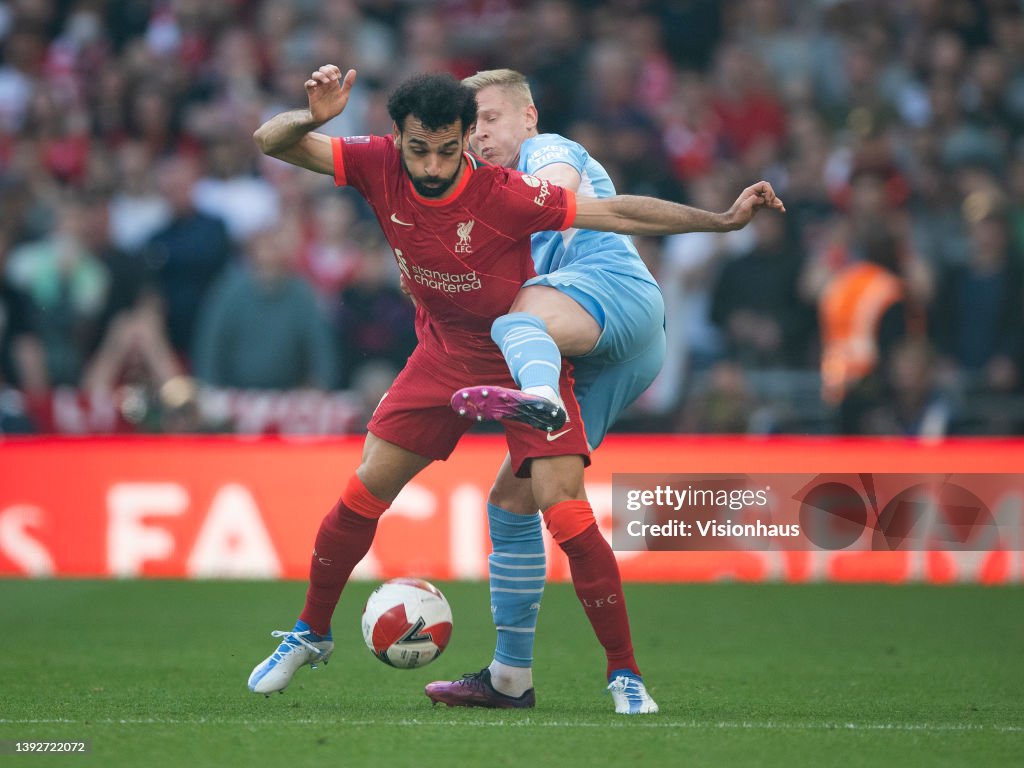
x=595, y=302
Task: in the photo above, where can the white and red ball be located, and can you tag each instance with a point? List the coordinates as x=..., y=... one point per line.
x=407, y=622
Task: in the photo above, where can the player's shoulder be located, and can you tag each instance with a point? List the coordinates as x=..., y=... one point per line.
x=368, y=162
x=546, y=148
x=369, y=139
x=369, y=145
x=499, y=177
x=485, y=173
x=509, y=190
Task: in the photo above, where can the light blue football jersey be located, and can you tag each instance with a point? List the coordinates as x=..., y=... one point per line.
x=573, y=247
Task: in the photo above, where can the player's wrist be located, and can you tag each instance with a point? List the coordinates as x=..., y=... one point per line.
x=726, y=222
x=314, y=119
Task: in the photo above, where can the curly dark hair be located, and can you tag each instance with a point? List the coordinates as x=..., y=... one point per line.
x=437, y=100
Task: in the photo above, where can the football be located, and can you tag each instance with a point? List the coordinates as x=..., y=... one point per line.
x=407, y=623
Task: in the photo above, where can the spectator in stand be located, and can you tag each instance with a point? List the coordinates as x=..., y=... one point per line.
x=773, y=30
x=756, y=304
x=22, y=356
x=153, y=119
x=261, y=327
x=725, y=405
x=630, y=145
x=130, y=280
x=188, y=254
x=939, y=230
x=902, y=397
x=749, y=113
x=809, y=156
x=863, y=312
x=133, y=344
x=654, y=78
x=874, y=199
x=978, y=316
x=137, y=210
x=68, y=285
x=689, y=268
x=552, y=57
x=19, y=71
x=230, y=189
x=332, y=254
x=689, y=129
x=60, y=132
x=1015, y=208
x=135, y=351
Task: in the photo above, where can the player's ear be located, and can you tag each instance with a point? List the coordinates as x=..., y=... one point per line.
x=531, y=116
x=396, y=134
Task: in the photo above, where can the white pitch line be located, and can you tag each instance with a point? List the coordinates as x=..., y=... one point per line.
x=631, y=723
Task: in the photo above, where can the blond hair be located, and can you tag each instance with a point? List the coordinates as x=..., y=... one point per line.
x=513, y=82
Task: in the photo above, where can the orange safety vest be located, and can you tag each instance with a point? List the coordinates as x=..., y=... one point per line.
x=850, y=310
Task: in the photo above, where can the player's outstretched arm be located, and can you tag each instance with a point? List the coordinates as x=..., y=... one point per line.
x=289, y=136
x=633, y=215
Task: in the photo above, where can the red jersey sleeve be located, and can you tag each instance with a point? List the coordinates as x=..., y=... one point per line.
x=358, y=159
x=530, y=204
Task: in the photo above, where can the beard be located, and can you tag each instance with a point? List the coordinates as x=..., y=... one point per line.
x=432, y=186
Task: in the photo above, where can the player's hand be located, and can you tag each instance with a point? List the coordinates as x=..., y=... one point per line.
x=328, y=92
x=751, y=200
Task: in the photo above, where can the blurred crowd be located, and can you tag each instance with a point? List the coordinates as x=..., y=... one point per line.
x=150, y=254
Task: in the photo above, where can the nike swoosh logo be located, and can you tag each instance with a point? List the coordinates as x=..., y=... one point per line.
x=395, y=219
x=556, y=435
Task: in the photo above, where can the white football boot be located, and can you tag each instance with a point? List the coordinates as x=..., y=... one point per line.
x=630, y=694
x=300, y=646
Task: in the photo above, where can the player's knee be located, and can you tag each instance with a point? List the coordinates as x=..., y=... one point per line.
x=568, y=519
x=513, y=500
x=556, y=479
x=502, y=325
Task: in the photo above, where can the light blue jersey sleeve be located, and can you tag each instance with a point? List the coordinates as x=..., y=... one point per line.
x=553, y=251
x=548, y=148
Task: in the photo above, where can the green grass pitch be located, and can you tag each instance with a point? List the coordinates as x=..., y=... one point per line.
x=153, y=673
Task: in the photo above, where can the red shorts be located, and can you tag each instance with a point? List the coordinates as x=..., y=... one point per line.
x=416, y=414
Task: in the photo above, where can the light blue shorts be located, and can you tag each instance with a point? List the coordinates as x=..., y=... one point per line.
x=630, y=351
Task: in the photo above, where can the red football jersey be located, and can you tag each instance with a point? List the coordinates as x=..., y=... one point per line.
x=464, y=257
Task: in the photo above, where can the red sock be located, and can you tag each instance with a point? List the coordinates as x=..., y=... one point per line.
x=595, y=576
x=344, y=538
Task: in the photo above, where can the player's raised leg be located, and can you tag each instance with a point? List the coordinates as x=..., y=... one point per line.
x=543, y=326
x=535, y=363
x=344, y=538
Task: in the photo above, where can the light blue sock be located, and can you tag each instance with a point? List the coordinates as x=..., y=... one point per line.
x=532, y=355
x=517, y=569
